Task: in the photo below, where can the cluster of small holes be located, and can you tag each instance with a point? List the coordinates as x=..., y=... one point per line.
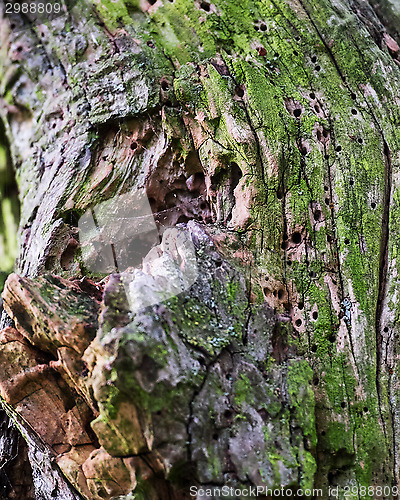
x=180, y=201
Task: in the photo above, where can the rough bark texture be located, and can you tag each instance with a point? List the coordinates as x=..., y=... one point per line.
x=267, y=131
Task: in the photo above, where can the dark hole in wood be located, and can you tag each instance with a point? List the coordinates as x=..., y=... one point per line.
x=353, y=96
x=314, y=59
x=317, y=68
x=314, y=348
x=281, y=293
x=134, y=146
x=205, y=6
x=164, y=85
x=263, y=27
x=373, y=205
x=298, y=322
x=284, y=245
x=296, y=238
x=338, y=149
x=312, y=95
x=353, y=111
x=317, y=215
x=239, y=91
x=315, y=315
x=300, y=305
x=346, y=241
x=297, y=113
x=343, y=404
x=327, y=201
x=312, y=274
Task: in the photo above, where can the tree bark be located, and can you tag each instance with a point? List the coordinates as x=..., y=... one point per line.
x=265, y=137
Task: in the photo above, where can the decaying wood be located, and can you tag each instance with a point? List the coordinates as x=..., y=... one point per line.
x=267, y=133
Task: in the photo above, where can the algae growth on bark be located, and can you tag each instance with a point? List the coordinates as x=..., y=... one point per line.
x=264, y=137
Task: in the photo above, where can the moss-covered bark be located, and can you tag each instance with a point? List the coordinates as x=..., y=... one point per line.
x=274, y=125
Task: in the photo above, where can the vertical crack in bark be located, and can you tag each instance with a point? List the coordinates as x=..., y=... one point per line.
x=382, y=284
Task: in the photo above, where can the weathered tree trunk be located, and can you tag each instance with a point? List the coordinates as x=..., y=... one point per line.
x=267, y=133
